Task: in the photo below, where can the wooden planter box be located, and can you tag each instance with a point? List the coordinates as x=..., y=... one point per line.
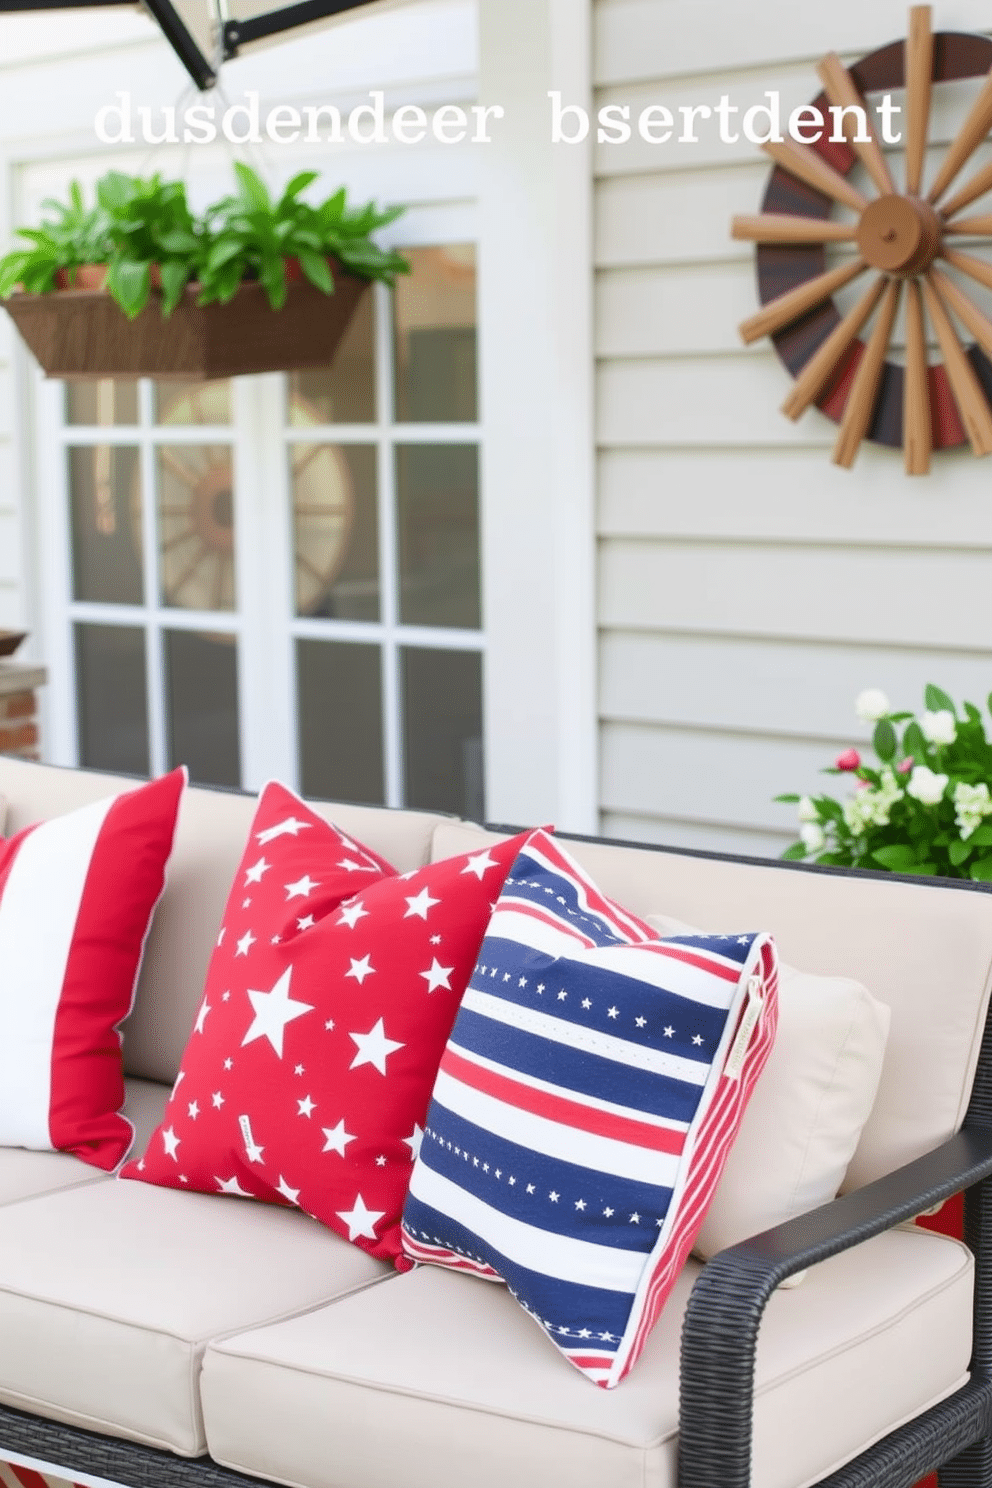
x=82, y=332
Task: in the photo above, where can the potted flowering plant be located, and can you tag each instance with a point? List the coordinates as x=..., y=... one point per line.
x=922, y=807
x=140, y=285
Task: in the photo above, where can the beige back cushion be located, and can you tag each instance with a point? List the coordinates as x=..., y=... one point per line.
x=210, y=838
x=924, y=949
x=809, y=1108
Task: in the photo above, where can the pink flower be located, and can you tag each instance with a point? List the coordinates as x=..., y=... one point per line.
x=849, y=760
x=904, y=766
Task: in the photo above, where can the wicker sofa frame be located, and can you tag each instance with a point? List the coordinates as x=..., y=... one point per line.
x=722, y=1321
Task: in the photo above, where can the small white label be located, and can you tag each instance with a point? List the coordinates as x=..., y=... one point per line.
x=752, y=1012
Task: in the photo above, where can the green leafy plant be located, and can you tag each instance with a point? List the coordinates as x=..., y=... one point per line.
x=72, y=235
x=149, y=223
x=925, y=807
x=144, y=231
x=251, y=236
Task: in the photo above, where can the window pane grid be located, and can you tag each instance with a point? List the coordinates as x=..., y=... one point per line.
x=428, y=568
x=159, y=630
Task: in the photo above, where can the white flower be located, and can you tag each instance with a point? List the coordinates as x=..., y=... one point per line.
x=807, y=810
x=871, y=705
x=925, y=786
x=971, y=802
x=871, y=807
x=813, y=837
x=939, y=728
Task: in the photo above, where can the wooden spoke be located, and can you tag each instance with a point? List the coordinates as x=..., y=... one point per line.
x=788, y=307
x=167, y=543
x=861, y=399
x=917, y=423
x=980, y=182
x=301, y=461
x=966, y=141
x=177, y=584
x=967, y=313
x=975, y=268
x=919, y=71
x=775, y=227
x=968, y=395
x=979, y=226
x=827, y=358
x=175, y=466
x=842, y=92
x=803, y=162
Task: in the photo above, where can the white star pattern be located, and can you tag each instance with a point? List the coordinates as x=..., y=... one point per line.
x=201, y=1017
x=669, y=1032
x=336, y=1138
x=299, y=1070
x=292, y=1194
x=291, y=827
x=350, y=866
x=306, y=1105
x=697, y=1038
x=171, y=1142
x=223, y=932
x=193, y=1110
x=254, y=873
x=413, y=1141
x=613, y=1012
x=232, y=1186
x=360, y=1220
x=479, y=864
x=437, y=975
x=361, y=969
x=373, y=1047
x=352, y=913
x=420, y=904
x=217, y=1099
x=306, y=923
x=245, y=944
x=273, y=1010
x=302, y=888
x=228, y=1064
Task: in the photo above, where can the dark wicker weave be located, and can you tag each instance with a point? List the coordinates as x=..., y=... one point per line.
x=721, y=1326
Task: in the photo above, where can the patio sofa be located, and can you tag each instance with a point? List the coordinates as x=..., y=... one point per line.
x=150, y=1337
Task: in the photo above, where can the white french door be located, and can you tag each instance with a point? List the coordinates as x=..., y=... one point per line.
x=280, y=575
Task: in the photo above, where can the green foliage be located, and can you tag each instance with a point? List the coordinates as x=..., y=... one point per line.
x=142, y=228
x=251, y=236
x=922, y=806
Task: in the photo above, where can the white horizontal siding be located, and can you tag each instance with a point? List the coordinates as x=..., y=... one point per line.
x=668, y=678
x=748, y=589
x=673, y=831
x=648, y=39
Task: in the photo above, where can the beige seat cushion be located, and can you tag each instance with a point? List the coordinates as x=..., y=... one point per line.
x=924, y=949
x=25, y=1174
x=110, y=1291
x=809, y=1107
x=437, y=1380
x=210, y=838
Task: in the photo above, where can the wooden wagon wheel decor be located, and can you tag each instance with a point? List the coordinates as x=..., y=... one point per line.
x=903, y=238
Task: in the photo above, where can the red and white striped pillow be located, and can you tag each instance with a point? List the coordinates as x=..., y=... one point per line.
x=76, y=899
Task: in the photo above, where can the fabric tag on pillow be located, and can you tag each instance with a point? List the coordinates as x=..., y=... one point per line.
x=585, y=1104
x=327, y=1004
x=77, y=895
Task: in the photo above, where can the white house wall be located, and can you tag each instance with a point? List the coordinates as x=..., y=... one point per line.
x=747, y=588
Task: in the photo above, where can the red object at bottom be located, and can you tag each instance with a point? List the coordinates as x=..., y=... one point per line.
x=949, y=1220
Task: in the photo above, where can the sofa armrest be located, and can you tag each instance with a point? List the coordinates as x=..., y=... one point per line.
x=720, y=1332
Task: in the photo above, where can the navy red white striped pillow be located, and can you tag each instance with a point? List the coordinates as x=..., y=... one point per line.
x=589, y=1094
x=77, y=895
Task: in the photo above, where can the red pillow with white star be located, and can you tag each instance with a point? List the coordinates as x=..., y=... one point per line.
x=309, y=1071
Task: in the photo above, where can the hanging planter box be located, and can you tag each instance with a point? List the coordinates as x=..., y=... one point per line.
x=81, y=332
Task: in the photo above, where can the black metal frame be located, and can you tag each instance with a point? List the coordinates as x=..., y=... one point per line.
x=236, y=34
x=722, y=1321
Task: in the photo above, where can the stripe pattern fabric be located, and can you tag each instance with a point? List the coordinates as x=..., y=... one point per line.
x=589, y=1094
x=77, y=895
